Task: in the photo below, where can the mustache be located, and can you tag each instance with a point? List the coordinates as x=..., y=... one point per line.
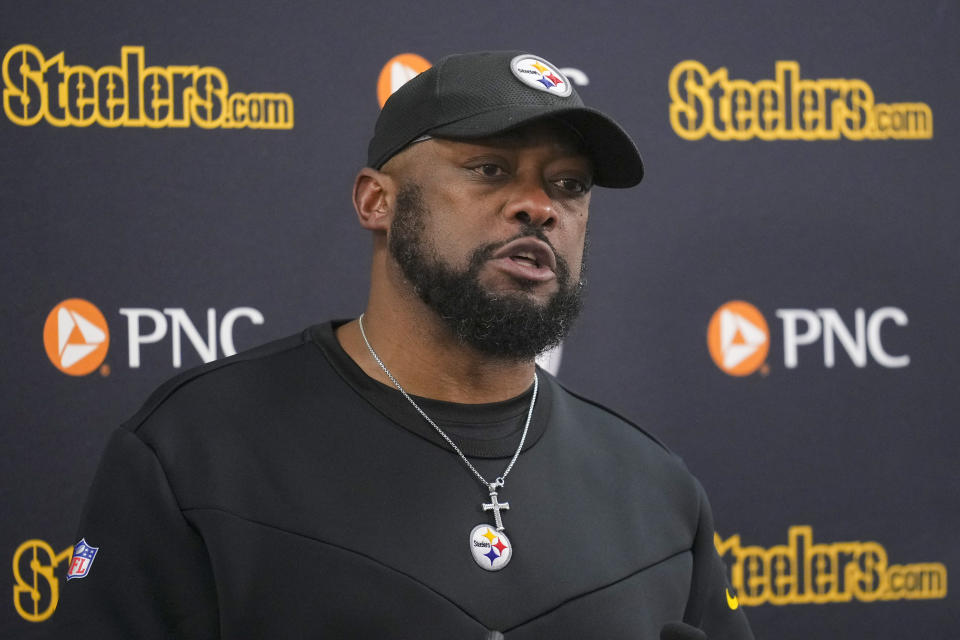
x=485, y=252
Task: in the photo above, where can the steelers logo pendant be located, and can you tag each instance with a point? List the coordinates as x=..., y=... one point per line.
x=490, y=548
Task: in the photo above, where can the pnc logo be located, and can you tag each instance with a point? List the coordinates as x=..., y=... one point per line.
x=738, y=338
x=399, y=70
x=76, y=337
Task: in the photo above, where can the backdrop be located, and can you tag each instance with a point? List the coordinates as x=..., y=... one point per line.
x=777, y=300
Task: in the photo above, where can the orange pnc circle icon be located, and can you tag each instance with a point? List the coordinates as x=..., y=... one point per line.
x=76, y=337
x=738, y=338
x=398, y=70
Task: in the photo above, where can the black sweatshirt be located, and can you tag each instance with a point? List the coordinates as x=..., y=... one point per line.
x=282, y=493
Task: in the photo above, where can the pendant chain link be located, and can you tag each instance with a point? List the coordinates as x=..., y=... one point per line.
x=491, y=486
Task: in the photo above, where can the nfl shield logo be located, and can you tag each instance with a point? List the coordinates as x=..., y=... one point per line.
x=83, y=555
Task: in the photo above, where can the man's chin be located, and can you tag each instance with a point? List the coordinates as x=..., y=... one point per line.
x=512, y=322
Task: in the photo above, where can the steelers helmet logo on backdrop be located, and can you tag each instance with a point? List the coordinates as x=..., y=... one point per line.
x=738, y=338
x=76, y=337
x=538, y=73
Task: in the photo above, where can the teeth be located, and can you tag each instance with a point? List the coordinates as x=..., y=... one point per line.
x=525, y=258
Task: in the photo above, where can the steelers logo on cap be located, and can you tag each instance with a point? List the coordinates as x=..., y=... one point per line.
x=538, y=73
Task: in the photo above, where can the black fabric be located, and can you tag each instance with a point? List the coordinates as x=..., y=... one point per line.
x=267, y=496
x=480, y=430
x=475, y=95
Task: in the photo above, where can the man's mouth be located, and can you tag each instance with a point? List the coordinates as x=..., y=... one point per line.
x=527, y=259
x=530, y=252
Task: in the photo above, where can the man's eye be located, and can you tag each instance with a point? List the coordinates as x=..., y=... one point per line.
x=572, y=185
x=489, y=170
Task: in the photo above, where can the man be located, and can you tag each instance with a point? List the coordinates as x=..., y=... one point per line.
x=411, y=473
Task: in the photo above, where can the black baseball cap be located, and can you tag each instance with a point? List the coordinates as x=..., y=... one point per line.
x=474, y=95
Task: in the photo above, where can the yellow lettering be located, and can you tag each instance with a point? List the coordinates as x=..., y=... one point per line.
x=112, y=94
x=131, y=94
x=922, y=581
x=80, y=86
x=23, y=93
x=855, y=113
x=208, y=98
x=902, y=121
x=802, y=572
x=771, y=109
x=691, y=109
x=786, y=108
x=260, y=111
x=158, y=100
x=36, y=591
x=867, y=575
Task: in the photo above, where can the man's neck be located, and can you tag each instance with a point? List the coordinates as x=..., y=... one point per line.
x=428, y=361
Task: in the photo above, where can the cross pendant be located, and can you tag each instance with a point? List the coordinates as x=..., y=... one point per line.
x=495, y=505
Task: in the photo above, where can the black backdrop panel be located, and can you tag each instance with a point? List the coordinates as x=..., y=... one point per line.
x=798, y=213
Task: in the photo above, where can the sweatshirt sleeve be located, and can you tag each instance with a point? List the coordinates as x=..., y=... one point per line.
x=150, y=576
x=713, y=605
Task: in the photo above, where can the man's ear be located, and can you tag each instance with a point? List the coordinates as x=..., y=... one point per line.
x=373, y=198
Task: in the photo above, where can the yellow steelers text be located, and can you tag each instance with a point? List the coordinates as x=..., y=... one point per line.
x=788, y=107
x=801, y=572
x=131, y=95
x=36, y=589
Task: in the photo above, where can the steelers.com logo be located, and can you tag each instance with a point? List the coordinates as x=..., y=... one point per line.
x=738, y=338
x=76, y=337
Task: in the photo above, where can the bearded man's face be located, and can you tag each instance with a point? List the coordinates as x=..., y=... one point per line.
x=514, y=324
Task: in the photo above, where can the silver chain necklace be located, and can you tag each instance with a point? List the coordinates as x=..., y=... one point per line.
x=491, y=550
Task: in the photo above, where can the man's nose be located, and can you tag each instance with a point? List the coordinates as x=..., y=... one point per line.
x=531, y=204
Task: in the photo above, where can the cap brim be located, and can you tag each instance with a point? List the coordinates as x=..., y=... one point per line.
x=616, y=160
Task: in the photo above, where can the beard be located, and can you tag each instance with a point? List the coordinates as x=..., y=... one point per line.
x=505, y=325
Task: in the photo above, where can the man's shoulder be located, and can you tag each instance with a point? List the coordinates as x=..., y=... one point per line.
x=620, y=448
x=229, y=382
x=606, y=414
x=619, y=436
